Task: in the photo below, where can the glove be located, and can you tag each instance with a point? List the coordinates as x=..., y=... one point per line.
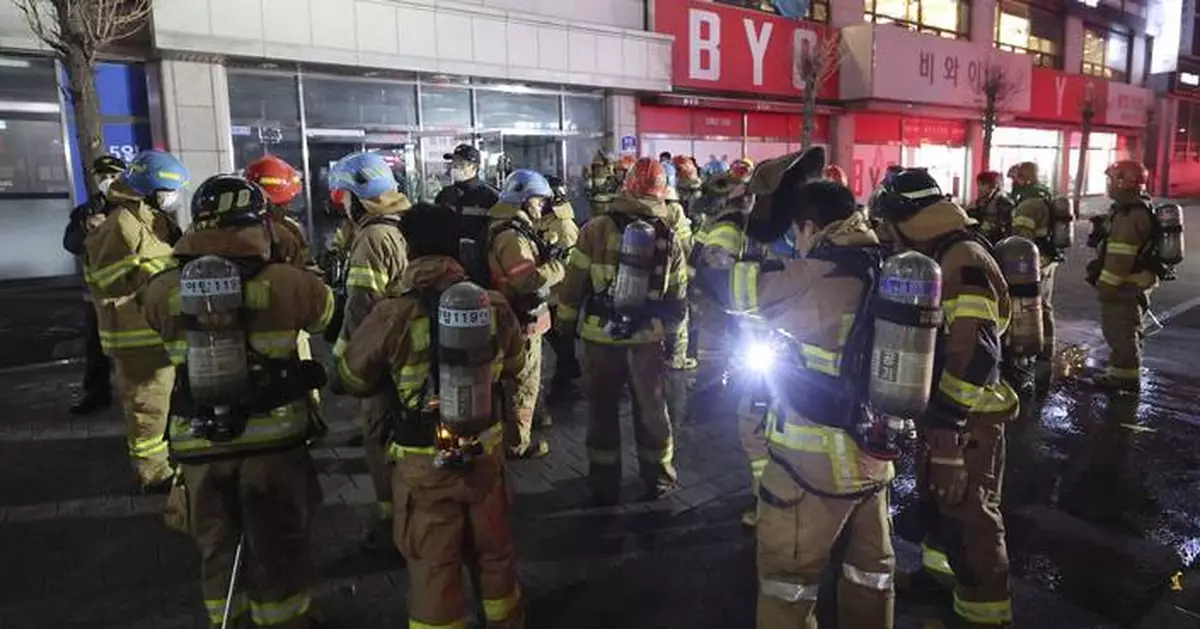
x=552, y=252
x=947, y=469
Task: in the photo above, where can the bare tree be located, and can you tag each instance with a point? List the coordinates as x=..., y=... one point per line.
x=812, y=66
x=997, y=89
x=1087, y=111
x=76, y=30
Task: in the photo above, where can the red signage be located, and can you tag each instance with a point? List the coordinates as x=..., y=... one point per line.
x=716, y=123
x=876, y=128
x=1059, y=97
x=666, y=120
x=760, y=125
x=918, y=131
x=724, y=48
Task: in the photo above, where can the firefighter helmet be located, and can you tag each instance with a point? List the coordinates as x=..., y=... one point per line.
x=686, y=168
x=989, y=177
x=909, y=192
x=742, y=169
x=154, y=170
x=277, y=178
x=365, y=175
x=833, y=172
x=647, y=178
x=228, y=201
x=1128, y=175
x=523, y=185
x=625, y=163
x=1024, y=174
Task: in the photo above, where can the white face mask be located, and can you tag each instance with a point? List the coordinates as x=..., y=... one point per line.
x=103, y=185
x=461, y=173
x=168, y=200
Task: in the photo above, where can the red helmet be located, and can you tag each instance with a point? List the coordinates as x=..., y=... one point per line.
x=276, y=177
x=626, y=162
x=647, y=178
x=742, y=169
x=1129, y=175
x=685, y=166
x=834, y=173
x=990, y=177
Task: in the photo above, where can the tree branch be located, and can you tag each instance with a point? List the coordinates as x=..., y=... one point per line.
x=45, y=28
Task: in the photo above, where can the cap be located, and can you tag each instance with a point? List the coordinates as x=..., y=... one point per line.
x=463, y=152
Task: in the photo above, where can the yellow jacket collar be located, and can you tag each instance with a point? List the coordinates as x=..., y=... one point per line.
x=240, y=242
x=438, y=272
x=935, y=221
x=508, y=210
x=390, y=203
x=644, y=206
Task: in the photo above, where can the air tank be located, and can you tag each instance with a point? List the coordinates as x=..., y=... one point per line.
x=907, y=311
x=465, y=354
x=1021, y=264
x=210, y=291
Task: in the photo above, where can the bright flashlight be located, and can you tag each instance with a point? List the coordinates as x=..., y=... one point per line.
x=759, y=356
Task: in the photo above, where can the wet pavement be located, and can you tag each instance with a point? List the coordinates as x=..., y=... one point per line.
x=1102, y=505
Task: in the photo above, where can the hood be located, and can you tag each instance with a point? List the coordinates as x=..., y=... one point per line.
x=121, y=195
x=645, y=206
x=507, y=210
x=1129, y=197
x=437, y=272
x=935, y=221
x=564, y=211
x=393, y=202
x=854, y=231
x=241, y=242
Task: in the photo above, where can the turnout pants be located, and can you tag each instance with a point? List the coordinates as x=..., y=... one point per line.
x=566, y=364
x=607, y=369
x=1121, y=322
x=752, y=427
x=375, y=436
x=964, y=543
x=448, y=519
x=519, y=433
x=796, y=533
x=1047, y=291
x=145, y=379
x=269, y=500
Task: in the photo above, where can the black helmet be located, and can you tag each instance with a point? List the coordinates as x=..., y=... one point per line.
x=908, y=192
x=228, y=201
x=108, y=165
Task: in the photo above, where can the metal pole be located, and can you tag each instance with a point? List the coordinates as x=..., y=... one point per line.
x=237, y=564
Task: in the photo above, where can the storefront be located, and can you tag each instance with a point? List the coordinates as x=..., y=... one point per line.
x=312, y=119
x=1180, y=156
x=884, y=139
x=735, y=93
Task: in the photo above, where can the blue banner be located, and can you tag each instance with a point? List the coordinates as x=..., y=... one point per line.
x=124, y=111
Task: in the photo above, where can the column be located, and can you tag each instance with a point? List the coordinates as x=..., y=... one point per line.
x=195, y=104
x=983, y=22
x=1073, y=45
x=842, y=149
x=622, y=120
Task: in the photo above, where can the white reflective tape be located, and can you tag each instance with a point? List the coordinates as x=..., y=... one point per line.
x=881, y=581
x=921, y=194
x=789, y=592
x=465, y=318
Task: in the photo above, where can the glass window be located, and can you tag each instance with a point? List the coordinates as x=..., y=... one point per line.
x=341, y=103
x=584, y=114
x=947, y=18
x=818, y=10
x=580, y=152
x=1030, y=30
x=445, y=107
x=264, y=97
x=506, y=110
x=28, y=79
x=31, y=157
x=1105, y=53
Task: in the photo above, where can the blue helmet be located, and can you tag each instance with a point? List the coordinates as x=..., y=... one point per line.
x=672, y=174
x=151, y=171
x=523, y=185
x=365, y=175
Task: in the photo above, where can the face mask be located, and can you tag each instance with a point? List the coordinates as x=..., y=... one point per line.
x=460, y=174
x=167, y=200
x=103, y=185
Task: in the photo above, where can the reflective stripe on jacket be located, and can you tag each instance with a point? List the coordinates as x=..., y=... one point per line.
x=120, y=257
x=1130, y=231
x=376, y=264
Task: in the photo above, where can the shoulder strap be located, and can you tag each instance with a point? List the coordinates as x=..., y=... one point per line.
x=429, y=299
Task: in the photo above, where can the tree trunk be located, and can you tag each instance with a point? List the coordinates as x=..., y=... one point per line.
x=989, y=128
x=86, y=105
x=1080, y=168
x=810, y=112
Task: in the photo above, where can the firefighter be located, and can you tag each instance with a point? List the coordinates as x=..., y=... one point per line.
x=689, y=184
x=557, y=226
x=1122, y=273
x=239, y=428
x=634, y=305
x=834, y=173
x=600, y=183
x=993, y=208
x=962, y=461
x=524, y=267
x=282, y=184
x=367, y=190
x=813, y=496
x=120, y=256
x=681, y=229
x=97, y=387
x=469, y=195
x=1033, y=218
x=446, y=516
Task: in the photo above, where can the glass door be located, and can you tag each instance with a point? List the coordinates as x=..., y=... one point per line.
x=433, y=171
x=542, y=153
x=400, y=152
x=494, y=162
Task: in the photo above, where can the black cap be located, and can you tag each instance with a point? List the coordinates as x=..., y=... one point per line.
x=463, y=152
x=108, y=165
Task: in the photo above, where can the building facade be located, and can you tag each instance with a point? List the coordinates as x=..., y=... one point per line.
x=532, y=83
x=908, y=89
